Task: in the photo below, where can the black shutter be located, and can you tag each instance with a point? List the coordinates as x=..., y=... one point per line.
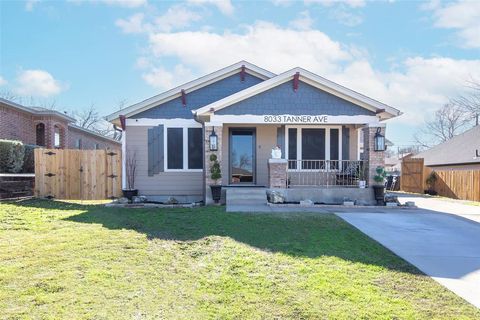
x=345, y=143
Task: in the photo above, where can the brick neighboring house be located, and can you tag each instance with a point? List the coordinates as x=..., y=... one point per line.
x=48, y=128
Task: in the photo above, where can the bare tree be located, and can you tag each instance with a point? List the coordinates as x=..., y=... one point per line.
x=470, y=102
x=90, y=119
x=448, y=121
x=9, y=95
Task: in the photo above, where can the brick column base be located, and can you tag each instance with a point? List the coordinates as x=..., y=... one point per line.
x=277, y=173
x=374, y=158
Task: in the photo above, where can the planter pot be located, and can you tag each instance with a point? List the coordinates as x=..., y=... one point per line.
x=129, y=194
x=216, y=192
x=379, y=192
x=362, y=184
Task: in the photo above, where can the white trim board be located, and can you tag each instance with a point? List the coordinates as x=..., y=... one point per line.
x=307, y=77
x=293, y=119
x=177, y=122
x=191, y=86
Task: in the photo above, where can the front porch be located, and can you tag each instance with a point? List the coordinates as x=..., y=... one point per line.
x=323, y=163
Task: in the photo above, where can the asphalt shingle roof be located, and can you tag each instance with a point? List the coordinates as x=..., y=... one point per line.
x=461, y=149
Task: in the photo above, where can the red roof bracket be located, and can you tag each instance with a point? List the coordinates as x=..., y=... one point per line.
x=123, y=122
x=296, y=78
x=242, y=73
x=184, y=98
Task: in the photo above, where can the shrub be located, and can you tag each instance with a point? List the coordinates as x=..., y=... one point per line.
x=11, y=156
x=29, y=159
x=215, y=171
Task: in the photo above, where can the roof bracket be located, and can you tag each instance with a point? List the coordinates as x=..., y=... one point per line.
x=123, y=121
x=184, y=98
x=242, y=73
x=296, y=78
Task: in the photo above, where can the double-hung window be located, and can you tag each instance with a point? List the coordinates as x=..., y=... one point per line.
x=184, y=149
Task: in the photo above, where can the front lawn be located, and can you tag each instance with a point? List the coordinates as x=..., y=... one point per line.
x=68, y=261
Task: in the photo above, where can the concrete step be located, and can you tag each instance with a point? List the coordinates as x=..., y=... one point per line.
x=246, y=196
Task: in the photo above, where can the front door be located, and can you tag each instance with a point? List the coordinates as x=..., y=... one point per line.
x=242, y=156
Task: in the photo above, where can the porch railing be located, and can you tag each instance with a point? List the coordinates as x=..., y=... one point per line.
x=325, y=173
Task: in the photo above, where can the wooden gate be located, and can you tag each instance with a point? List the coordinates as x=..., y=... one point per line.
x=78, y=174
x=412, y=175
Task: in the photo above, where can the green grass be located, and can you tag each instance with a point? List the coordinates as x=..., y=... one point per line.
x=68, y=261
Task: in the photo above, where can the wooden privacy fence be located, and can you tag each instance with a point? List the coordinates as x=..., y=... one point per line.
x=412, y=175
x=456, y=184
x=78, y=174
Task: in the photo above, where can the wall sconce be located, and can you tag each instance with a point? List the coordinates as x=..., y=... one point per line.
x=213, y=140
x=379, y=142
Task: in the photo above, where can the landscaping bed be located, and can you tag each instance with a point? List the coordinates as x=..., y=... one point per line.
x=67, y=260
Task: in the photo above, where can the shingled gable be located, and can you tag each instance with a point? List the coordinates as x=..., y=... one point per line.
x=298, y=76
x=181, y=92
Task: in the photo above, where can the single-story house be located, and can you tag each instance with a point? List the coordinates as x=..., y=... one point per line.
x=48, y=128
x=315, y=123
x=461, y=152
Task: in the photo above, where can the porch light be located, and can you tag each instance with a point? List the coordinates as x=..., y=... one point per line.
x=213, y=140
x=379, y=142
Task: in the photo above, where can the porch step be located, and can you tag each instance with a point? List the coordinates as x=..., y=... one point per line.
x=246, y=196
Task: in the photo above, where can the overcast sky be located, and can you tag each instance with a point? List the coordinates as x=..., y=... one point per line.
x=411, y=55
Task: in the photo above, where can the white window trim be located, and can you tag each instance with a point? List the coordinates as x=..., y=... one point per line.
x=327, y=141
x=185, y=148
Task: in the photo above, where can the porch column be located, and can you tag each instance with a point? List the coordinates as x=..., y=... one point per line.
x=208, y=164
x=277, y=173
x=373, y=158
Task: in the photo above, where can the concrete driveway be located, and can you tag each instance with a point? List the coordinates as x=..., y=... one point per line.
x=440, y=238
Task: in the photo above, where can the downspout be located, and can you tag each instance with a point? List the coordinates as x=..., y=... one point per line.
x=204, y=187
x=124, y=151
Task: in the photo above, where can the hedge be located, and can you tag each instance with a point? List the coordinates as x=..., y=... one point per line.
x=16, y=157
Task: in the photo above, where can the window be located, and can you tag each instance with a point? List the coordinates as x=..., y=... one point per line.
x=195, y=150
x=97, y=146
x=57, y=137
x=175, y=148
x=310, y=143
x=313, y=144
x=78, y=144
x=334, y=144
x=184, y=148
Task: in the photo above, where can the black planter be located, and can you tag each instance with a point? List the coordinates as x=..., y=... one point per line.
x=379, y=192
x=129, y=194
x=216, y=192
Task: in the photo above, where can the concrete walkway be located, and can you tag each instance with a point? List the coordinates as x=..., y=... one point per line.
x=440, y=238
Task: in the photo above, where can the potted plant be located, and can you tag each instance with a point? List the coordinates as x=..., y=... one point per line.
x=379, y=187
x=215, y=175
x=430, y=181
x=131, y=172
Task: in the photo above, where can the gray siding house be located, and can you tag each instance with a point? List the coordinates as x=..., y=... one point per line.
x=314, y=123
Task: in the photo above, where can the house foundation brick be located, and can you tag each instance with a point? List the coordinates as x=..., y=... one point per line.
x=277, y=173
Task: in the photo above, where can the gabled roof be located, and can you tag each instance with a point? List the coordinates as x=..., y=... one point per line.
x=191, y=86
x=383, y=110
x=460, y=149
x=38, y=111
